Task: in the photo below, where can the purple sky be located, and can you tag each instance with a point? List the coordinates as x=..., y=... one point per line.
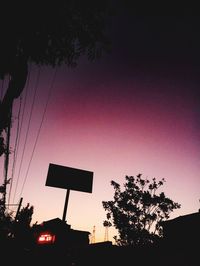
x=134, y=111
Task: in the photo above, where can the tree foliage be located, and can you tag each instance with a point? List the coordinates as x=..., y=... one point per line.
x=52, y=33
x=5, y=217
x=22, y=227
x=49, y=34
x=17, y=228
x=136, y=212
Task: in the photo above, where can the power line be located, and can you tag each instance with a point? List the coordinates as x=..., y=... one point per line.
x=2, y=89
x=23, y=112
x=26, y=137
x=40, y=127
x=19, y=129
x=14, y=155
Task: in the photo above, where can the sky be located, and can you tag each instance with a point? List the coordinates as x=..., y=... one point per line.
x=133, y=111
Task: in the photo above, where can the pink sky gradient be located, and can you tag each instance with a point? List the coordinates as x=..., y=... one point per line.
x=114, y=126
x=134, y=111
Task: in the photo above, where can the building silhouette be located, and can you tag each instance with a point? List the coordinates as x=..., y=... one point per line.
x=181, y=239
x=183, y=230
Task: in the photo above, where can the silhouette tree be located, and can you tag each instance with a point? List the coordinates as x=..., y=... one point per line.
x=137, y=211
x=25, y=215
x=6, y=218
x=22, y=226
x=18, y=228
x=47, y=34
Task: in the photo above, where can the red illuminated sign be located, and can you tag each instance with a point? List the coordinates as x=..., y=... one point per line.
x=46, y=238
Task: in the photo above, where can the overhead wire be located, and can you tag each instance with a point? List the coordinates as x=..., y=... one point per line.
x=39, y=130
x=4, y=84
x=24, y=106
x=2, y=89
x=19, y=129
x=14, y=153
x=27, y=132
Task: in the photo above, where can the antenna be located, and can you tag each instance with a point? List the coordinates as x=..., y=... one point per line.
x=106, y=224
x=106, y=233
x=199, y=208
x=93, y=235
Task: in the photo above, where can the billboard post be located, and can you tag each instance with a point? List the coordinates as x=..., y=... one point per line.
x=70, y=179
x=65, y=206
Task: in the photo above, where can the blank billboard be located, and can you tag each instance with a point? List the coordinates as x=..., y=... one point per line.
x=69, y=178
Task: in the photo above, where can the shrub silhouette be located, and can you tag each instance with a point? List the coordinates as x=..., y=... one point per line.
x=138, y=211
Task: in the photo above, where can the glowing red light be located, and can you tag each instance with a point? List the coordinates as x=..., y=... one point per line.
x=46, y=238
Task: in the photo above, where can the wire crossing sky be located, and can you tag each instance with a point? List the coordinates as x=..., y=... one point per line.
x=133, y=111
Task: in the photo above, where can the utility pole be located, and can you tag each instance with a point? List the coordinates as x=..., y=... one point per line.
x=6, y=160
x=18, y=209
x=18, y=75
